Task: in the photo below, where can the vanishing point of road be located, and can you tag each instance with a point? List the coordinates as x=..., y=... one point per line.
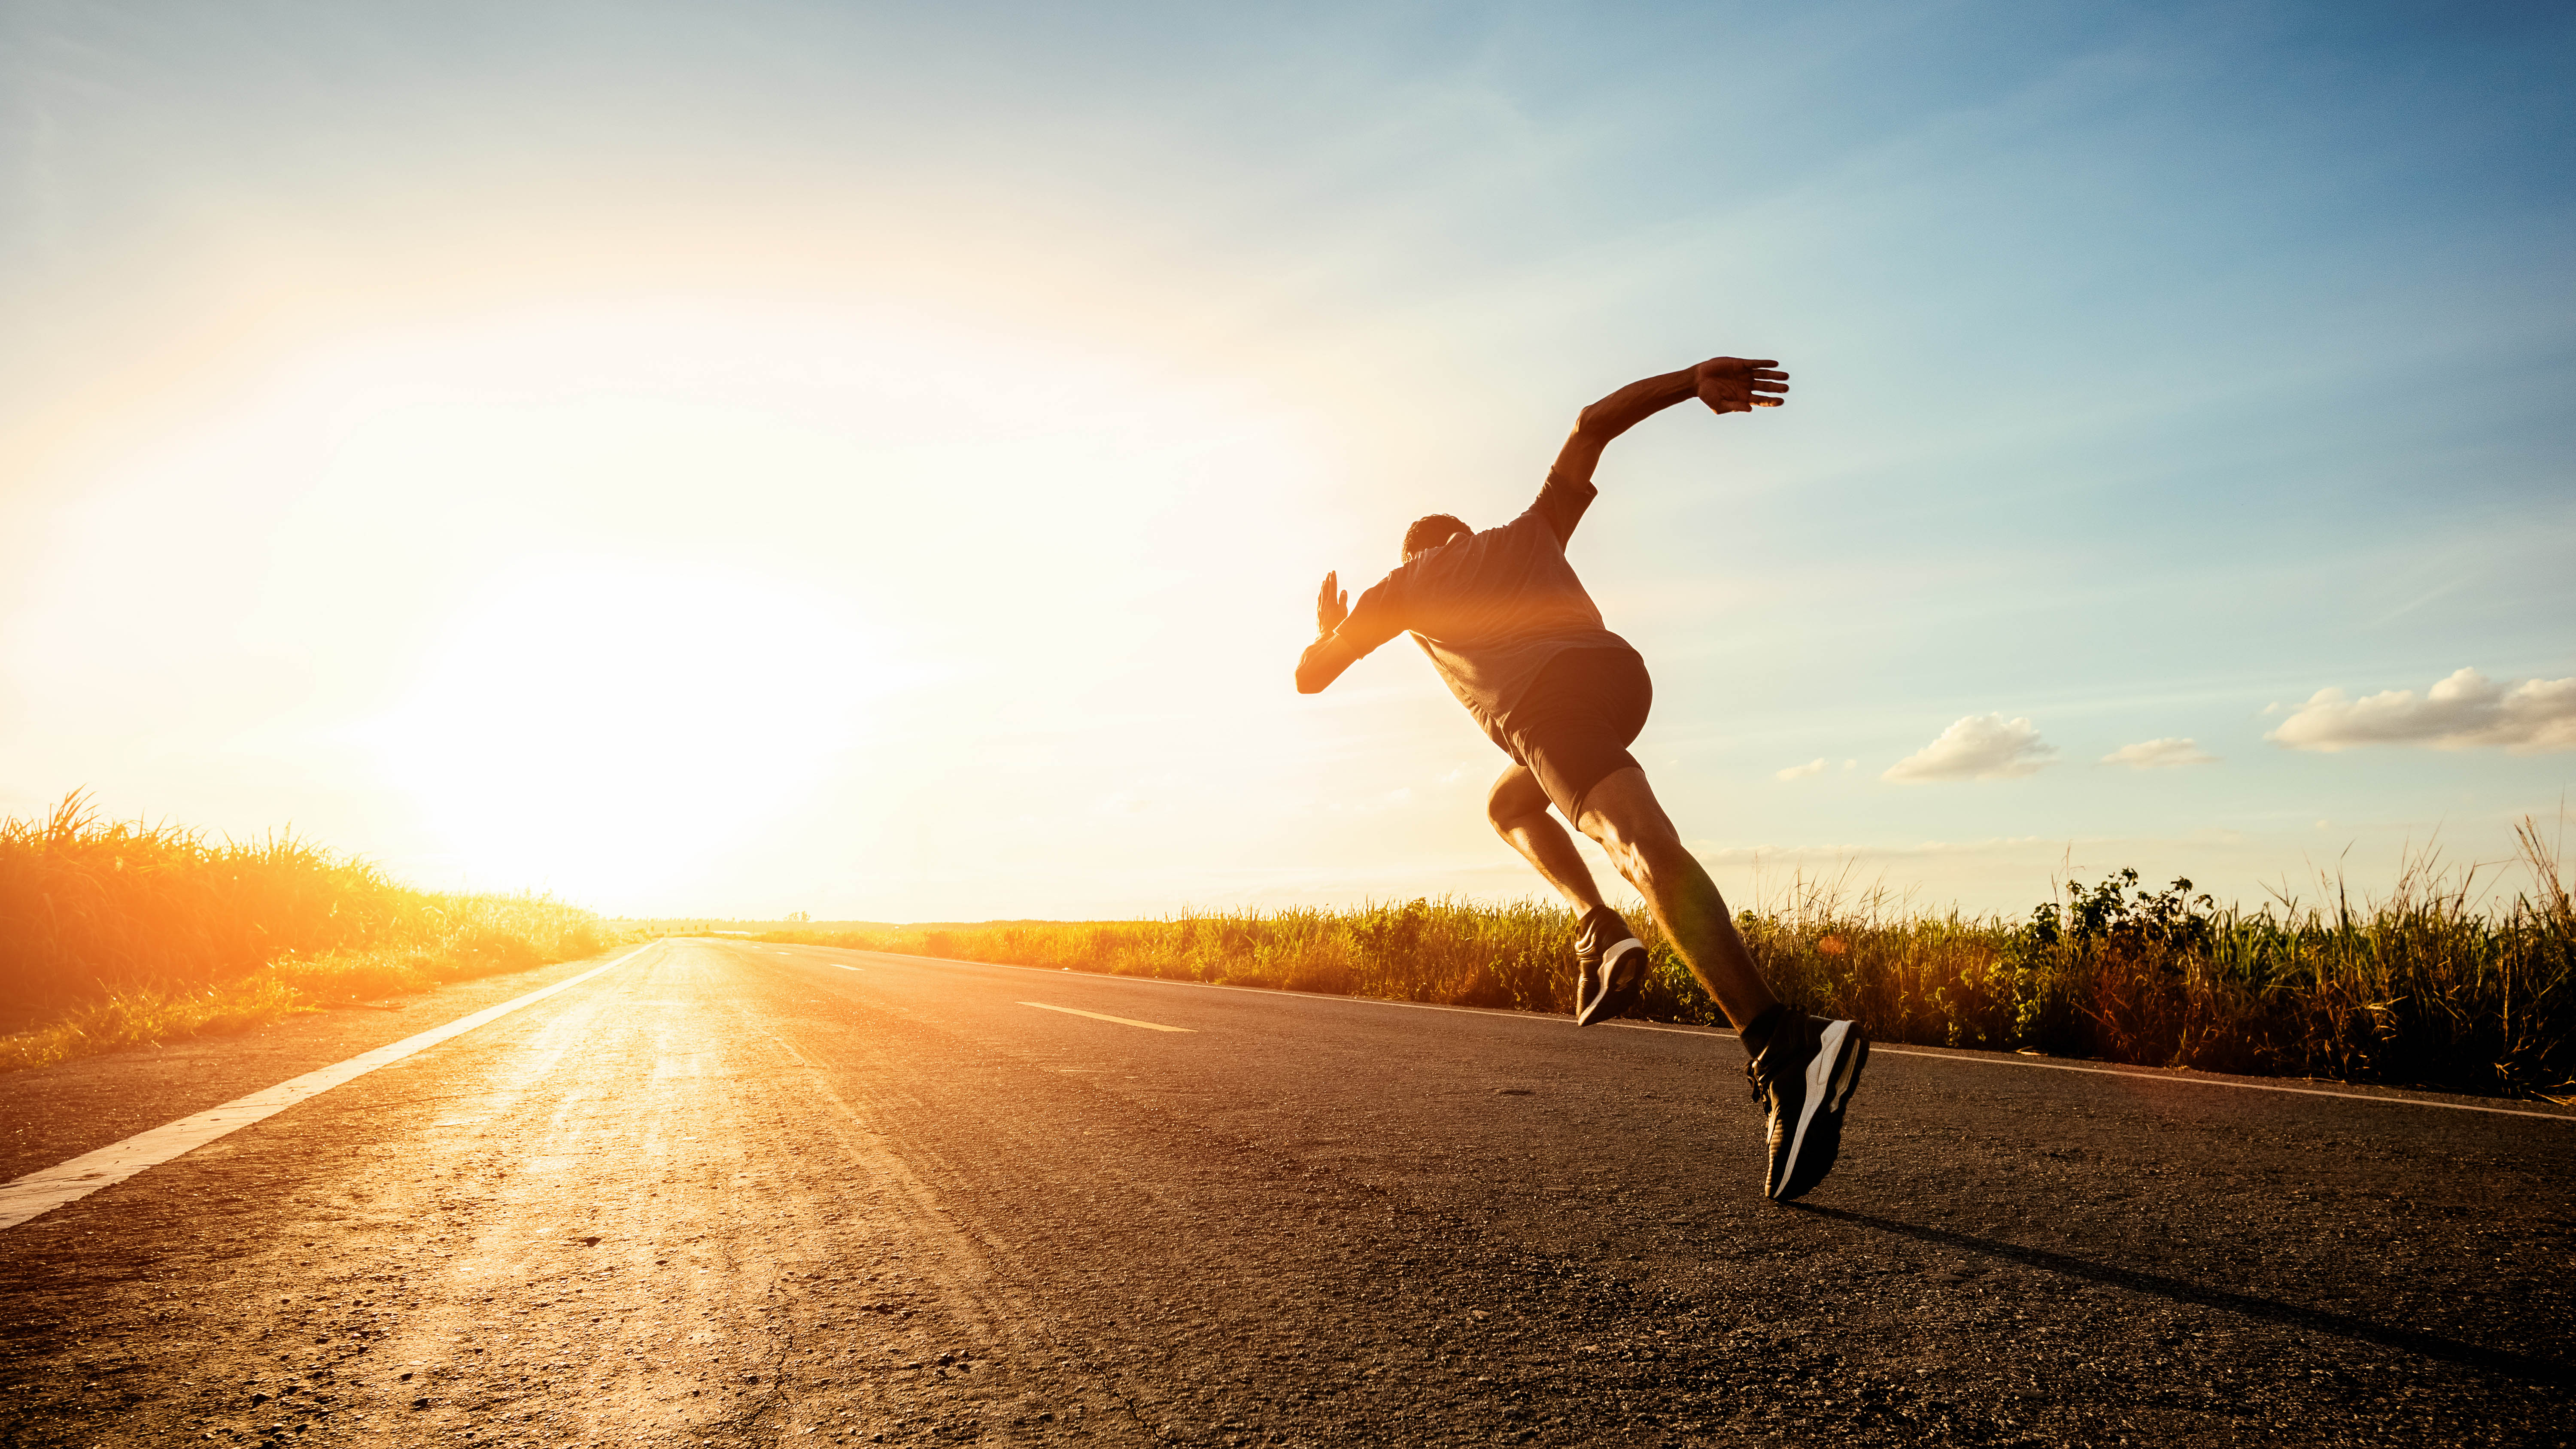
x=734, y=1193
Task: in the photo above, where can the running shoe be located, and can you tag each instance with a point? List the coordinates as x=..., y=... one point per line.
x=1611, y=966
x=1805, y=1077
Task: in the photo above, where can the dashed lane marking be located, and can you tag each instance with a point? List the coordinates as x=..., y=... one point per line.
x=1104, y=1016
x=1964, y=1058
x=44, y=1190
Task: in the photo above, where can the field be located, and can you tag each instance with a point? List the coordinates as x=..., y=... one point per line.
x=2438, y=983
x=116, y=935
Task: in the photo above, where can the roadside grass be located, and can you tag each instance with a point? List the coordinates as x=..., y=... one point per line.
x=2437, y=984
x=118, y=935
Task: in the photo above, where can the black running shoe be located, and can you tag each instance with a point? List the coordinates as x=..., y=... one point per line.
x=1805, y=1076
x=1611, y=965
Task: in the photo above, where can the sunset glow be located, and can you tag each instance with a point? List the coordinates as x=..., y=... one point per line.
x=839, y=723
x=738, y=469
x=634, y=720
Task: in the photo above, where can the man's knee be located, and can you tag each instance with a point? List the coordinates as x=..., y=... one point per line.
x=1516, y=797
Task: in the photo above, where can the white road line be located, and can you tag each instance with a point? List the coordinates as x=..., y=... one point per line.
x=2179, y=1078
x=2189, y=1080
x=48, y=1188
x=1979, y=1060
x=1501, y=1011
x=1104, y=1016
x=845, y=968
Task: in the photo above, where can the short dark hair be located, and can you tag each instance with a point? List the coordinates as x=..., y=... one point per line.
x=1430, y=531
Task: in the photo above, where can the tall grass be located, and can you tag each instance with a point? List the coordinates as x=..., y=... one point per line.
x=115, y=934
x=2433, y=985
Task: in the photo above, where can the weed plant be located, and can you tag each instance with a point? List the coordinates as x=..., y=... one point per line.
x=2434, y=985
x=115, y=935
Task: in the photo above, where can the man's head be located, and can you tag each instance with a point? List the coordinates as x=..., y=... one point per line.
x=1431, y=531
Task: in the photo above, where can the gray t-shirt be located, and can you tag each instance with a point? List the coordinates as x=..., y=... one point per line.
x=1491, y=608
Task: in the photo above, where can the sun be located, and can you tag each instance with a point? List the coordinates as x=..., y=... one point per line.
x=621, y=719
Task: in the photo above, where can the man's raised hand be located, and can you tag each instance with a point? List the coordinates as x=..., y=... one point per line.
x=1740, y=384
x=1332, y=606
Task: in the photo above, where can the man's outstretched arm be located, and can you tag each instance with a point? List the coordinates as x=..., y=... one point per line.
x=1326, y=658
x=1726, y=384
x=1344, y=635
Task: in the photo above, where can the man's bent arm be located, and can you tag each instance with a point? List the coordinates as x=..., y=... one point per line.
x=1323, y=662
x=1726, y=384
x=1346, y=638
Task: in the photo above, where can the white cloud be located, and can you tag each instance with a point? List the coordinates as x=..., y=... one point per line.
x=2466, y=711
x=1799, y=772
x=1979, y=747
x=2159, y=754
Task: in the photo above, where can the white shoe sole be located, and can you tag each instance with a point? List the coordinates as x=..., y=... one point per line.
x=1590, y=1013
x=1831, y=1074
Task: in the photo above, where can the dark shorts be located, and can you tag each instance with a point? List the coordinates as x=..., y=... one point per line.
x=1574, y=726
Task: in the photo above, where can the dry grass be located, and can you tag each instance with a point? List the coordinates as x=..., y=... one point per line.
x=2434, y=985
x=115, y=935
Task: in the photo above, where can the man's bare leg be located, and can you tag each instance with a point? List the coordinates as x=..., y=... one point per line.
x=1622, y=814
x=1518, y=808
x=1804, y=1069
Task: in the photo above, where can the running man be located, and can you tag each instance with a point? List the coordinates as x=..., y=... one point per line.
x=1515, y=637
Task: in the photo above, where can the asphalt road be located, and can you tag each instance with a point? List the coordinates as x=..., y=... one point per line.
x=739, y=1194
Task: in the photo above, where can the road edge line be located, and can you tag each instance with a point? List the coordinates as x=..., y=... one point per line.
x=2189, y=1079
x=1974, y=1059
x=48, y=1188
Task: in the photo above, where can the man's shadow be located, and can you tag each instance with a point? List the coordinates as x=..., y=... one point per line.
x=2491, y=1360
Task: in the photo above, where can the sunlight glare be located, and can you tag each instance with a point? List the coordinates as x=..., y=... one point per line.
x=622, y=719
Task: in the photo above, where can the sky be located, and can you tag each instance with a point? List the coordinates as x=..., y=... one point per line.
x=877, y=460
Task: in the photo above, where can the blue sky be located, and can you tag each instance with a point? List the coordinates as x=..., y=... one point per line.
x=876, y=460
